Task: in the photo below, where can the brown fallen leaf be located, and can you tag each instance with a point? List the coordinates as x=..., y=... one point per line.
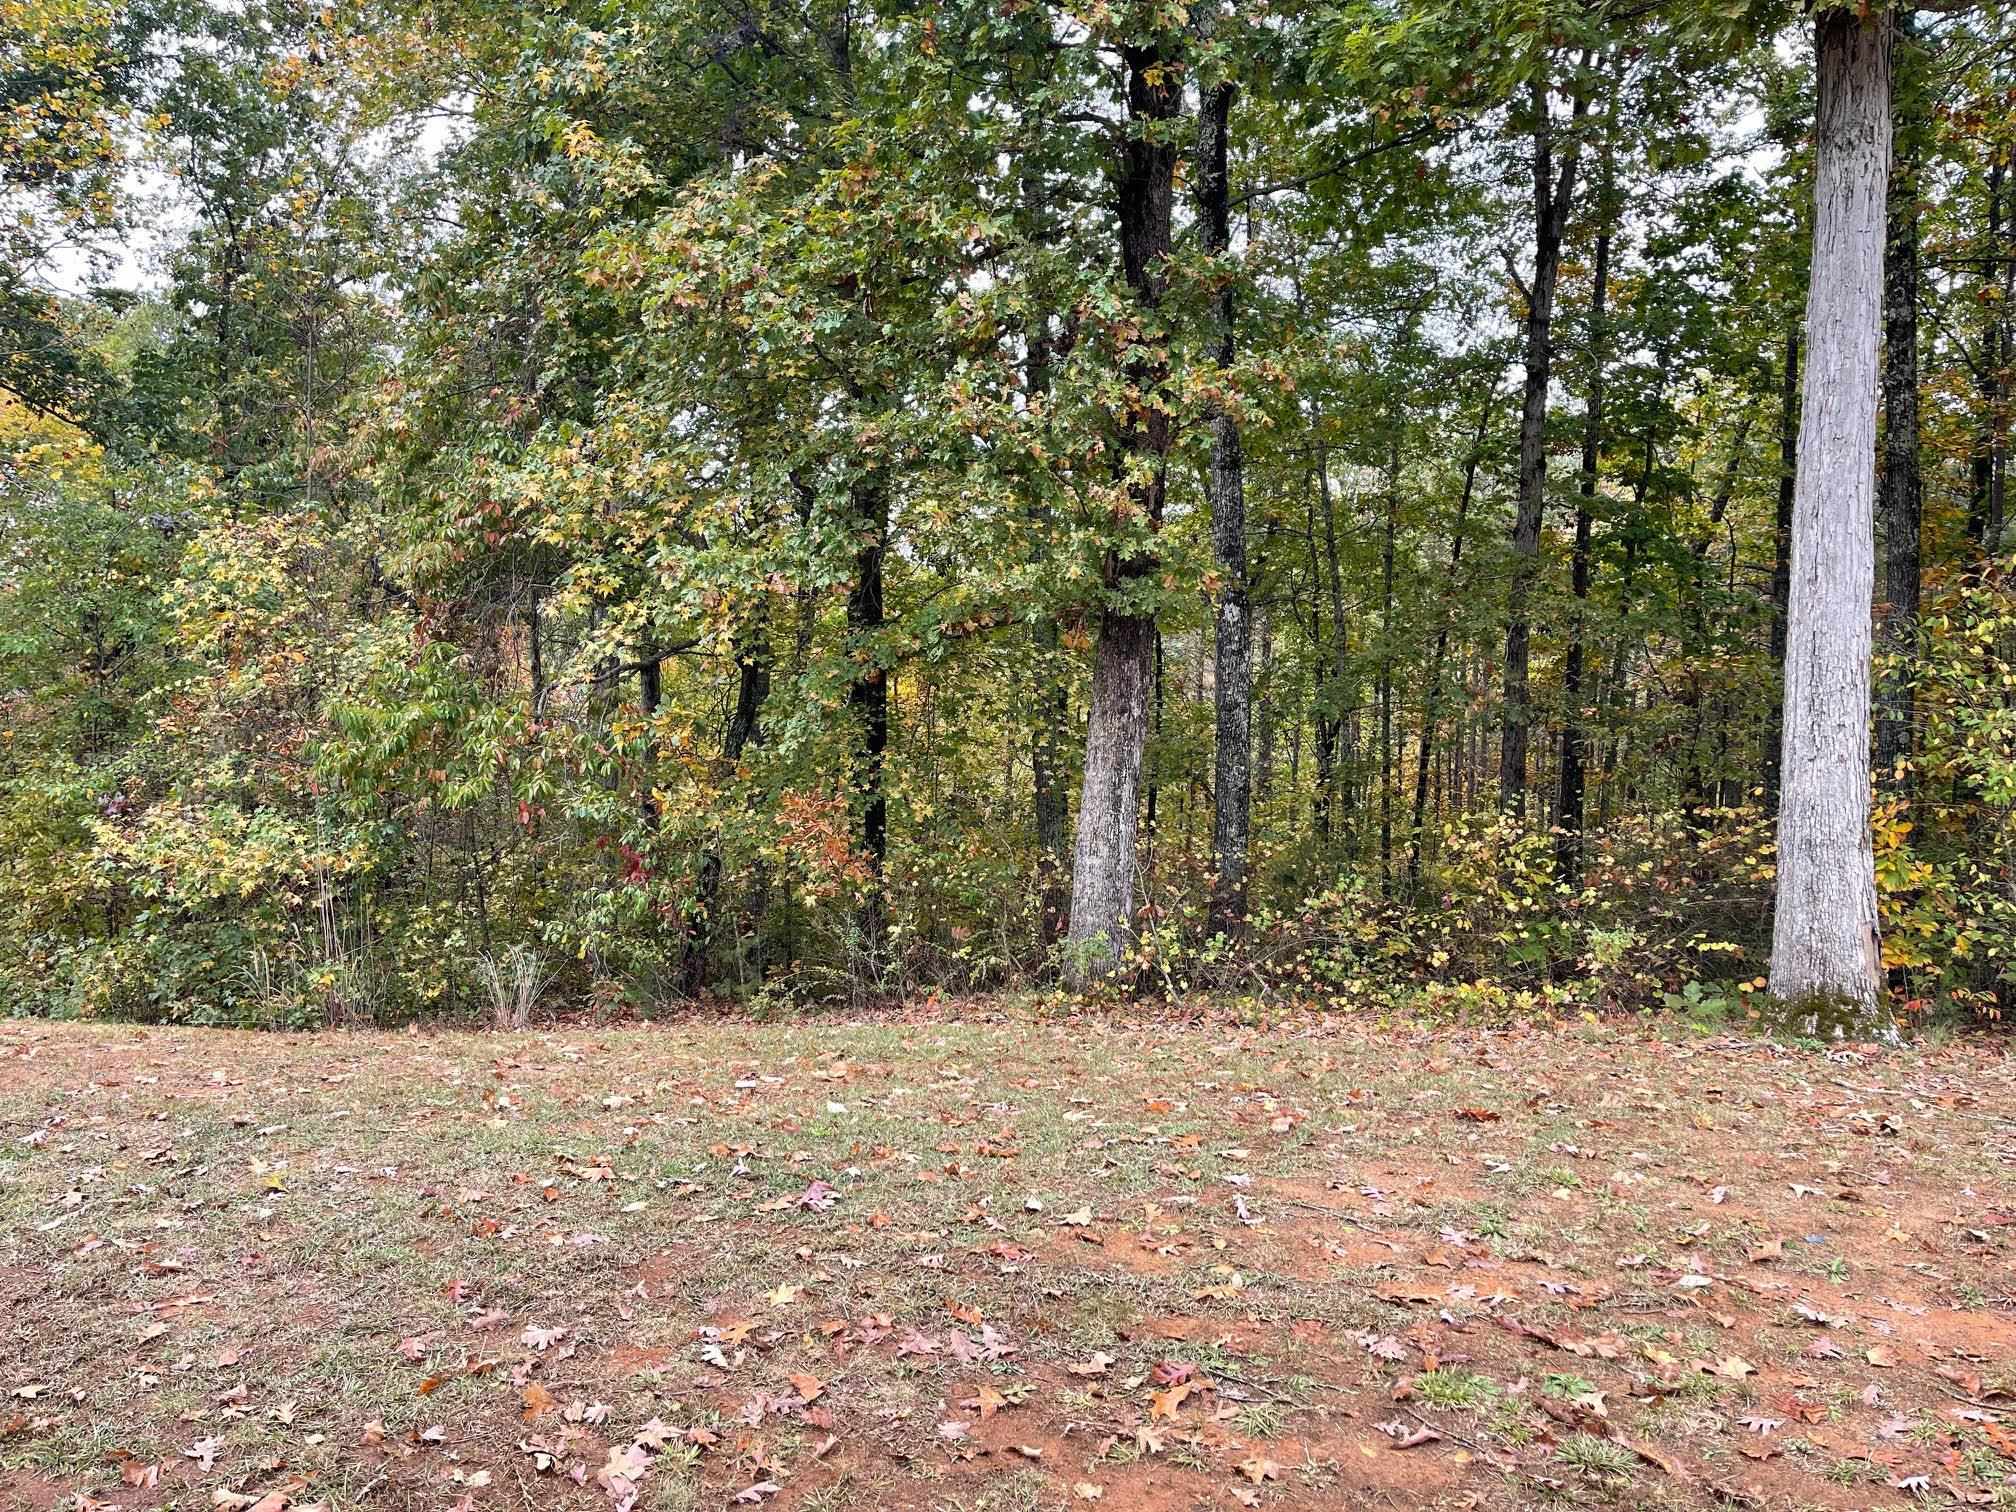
x=987, y=1401
x=1259, y=1469
x=808, y=1387
x=1880, y=1356
x=1656, y=1460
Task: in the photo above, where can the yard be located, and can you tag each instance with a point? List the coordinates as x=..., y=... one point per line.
x=984, y=1261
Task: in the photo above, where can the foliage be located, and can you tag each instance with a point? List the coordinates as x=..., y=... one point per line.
x=632, y=496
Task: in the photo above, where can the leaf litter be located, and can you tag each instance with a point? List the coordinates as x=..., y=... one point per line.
x=1146, y=1264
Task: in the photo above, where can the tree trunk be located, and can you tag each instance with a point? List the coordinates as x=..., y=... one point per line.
x=1102, y=873
x=1825, y=957
x=868, y=702
x=1781, y=571
x=1552, y=200
x=1232, y=690
x=1900, y=495
x=1574, y=723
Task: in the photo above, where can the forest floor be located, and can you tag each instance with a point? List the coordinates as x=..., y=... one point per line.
x=977, y=1262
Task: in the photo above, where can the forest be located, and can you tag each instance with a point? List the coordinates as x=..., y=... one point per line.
x=1489, y=508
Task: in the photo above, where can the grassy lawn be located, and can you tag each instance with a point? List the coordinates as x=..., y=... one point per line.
x=991, y=1263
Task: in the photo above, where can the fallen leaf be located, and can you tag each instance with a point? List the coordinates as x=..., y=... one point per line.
x=1259, y=1468
x=204, y=1451
x=808, y=1387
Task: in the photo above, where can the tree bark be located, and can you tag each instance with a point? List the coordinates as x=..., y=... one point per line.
x=1232, y=688
x=1825, y=956
x=1574, y=724
x=1900, y=505
x=1781, y=571
x=1552, y=200
x=1102, y=873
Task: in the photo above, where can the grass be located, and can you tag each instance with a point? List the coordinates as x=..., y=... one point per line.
x=391, y=1271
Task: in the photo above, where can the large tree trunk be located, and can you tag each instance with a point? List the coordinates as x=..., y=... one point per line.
x=1552, y=200
x=1232, y=690
x=1102, y=873
x=1825, y=957
x=1900, y=497
x=1781, y=572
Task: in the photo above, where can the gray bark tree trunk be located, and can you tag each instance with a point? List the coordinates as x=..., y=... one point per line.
x=1123, y=665
x=1826, y=962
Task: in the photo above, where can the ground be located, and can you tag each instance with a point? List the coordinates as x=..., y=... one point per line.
x=987, y=1262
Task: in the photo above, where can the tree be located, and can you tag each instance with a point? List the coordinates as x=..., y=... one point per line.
x=1123, y=665
x=1825, y=954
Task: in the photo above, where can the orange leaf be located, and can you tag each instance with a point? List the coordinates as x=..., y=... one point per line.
x=808, y=1387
